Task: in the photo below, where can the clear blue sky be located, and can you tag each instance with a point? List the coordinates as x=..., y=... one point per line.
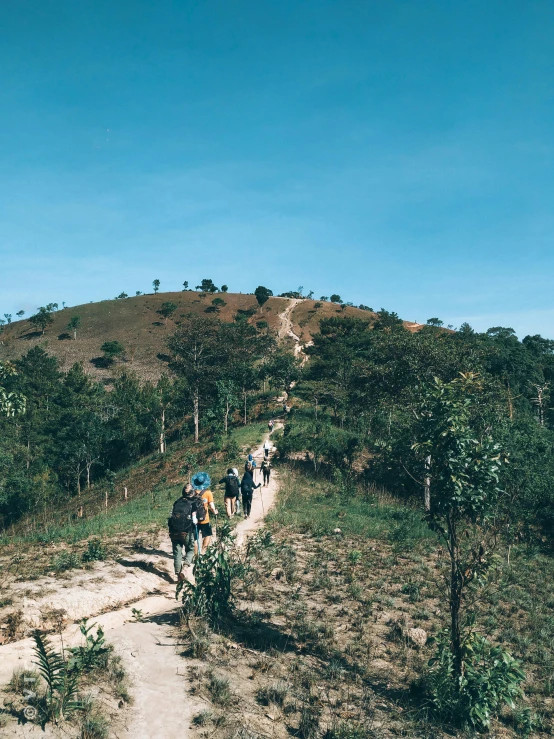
x=397, y=153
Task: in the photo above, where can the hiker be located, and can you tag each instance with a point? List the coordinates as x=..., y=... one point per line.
x=252, y=462
x=270, y=425
x=247, y=487
x=266, y=470
x=181, y=525
x=201, y=483
x=267, y=448
x=232, y=484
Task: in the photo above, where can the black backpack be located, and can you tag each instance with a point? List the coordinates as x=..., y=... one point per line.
x=247, y=485
x=231, y=486
x=180, y=521
x=201, y=509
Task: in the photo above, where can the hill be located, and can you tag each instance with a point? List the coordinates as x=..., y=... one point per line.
x=137, y=323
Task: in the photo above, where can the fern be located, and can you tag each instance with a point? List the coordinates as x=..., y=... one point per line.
x=62, y=694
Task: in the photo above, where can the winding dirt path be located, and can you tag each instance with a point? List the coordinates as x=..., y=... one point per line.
x=150, y=648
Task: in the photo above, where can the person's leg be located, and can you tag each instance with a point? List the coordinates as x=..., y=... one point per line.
x=189, y=548
x=177, y=555
x=206, y=536
x=229, y=505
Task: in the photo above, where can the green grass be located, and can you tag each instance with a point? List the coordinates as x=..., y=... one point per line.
x=146, y=512
x=312, y=505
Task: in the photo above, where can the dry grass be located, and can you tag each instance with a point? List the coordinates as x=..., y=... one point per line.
x=321, y=644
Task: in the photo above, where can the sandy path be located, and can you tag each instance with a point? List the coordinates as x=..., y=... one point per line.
x=150, y=649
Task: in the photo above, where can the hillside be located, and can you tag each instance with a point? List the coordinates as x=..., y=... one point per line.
x=136, y=323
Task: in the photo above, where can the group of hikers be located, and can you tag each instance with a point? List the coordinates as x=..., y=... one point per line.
x=190, y=529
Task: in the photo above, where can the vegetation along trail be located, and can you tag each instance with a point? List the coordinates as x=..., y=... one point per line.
x=143, y=635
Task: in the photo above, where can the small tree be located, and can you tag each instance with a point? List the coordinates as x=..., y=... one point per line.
x=156, y=286
x=42, y=318
x=185, y=285
x=73, y=325
x=325, y=298
x=11, y=403
x=167, y=310
x=434, y=322
x=224, y=288
x=460, y=463
x=262, y=294
x=335, y=298
x=112, y=350
x=207, y=286
x=138, y=292
x=122, y=296
x=20, y=313
x=8, y=317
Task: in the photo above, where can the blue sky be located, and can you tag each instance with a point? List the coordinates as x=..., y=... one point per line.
x=397, y=153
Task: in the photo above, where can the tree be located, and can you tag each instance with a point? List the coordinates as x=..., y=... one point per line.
x=138, y=292
x=73, y=325
x=335, y=298
x=112, y=350
x=434, y=322
x=185, y=285
x=20, y=313
x=122, y=296
x=262, y=295
x=207, y=286
x=167, y=310
x=224, y=288
x=42, y=318
x=283, y=369
x=196, y=358
x=8, y=317
x=11, y=403
x=462, y=462
x=156, y=286
x=325, y=298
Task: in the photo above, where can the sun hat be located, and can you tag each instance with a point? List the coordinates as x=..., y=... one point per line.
x=235, y=472
x=201, y=481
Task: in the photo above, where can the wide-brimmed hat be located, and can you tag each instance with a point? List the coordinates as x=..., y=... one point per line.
x=201, y=481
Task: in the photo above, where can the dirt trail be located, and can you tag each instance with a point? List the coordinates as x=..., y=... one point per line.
x=287, y=329
x=150, y=648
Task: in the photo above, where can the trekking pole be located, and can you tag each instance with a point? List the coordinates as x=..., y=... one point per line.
x=197, y=542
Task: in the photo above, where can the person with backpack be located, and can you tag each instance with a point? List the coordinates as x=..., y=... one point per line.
x=205, y=503
x=252, y=462
x=247, y=487
x=266, y=470
x=232, y=485
x=270, y=425
x=181, y=524
x=267, y=448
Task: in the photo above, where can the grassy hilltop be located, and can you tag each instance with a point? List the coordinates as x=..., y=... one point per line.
x=136, y=323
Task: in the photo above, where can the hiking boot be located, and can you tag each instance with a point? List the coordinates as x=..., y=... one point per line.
x=181, y=577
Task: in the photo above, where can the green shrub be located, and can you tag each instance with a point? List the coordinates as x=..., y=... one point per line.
x=95, y=552
x=211, y=597
x=65, y=561
x=490, y=680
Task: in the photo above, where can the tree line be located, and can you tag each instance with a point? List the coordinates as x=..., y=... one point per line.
x=62, y=431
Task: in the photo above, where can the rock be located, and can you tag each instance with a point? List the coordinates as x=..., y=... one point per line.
x=337, y=531
x=417, y=636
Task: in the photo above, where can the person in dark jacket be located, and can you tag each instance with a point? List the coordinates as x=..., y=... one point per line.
x=232, y=485
x=247, y=487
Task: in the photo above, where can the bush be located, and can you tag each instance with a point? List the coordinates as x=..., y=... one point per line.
x=96, y=551
x=65, y=561
x=210, y=597
x=491, y=679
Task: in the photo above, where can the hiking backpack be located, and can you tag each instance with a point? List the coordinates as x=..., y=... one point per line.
x=231, y=486
x=180, y=521
x=247, y=485
x=201, y=509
